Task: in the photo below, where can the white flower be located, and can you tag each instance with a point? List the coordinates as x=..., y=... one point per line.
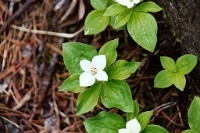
x=132, y=126
x=93, y=70
x=128, y=3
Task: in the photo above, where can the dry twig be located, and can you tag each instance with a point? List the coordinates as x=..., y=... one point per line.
x=64, y=35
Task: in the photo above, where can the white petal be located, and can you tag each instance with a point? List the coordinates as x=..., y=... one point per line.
x=123, y=130
x=130, y=4
x=133, y=125
x=86, y=65
x=99, y=62
x=136, y=1
x=101, y=76
x=123, y=2
x=86, y=79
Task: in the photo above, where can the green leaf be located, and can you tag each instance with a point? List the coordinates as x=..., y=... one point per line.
x=88, y=99
x=71, y=84
x=194, y=114
x=122, y=18
x=168, y=63
x=95, y=22
x=116, y=93
x=109, y=50
x=114, y=10
x=189, y=131
x=186, y=63
x=122, y=69
x=112, y=23
x=144, y=119
x=74, y=52
x=179, y=81
x=136, y=108
x=134, y=113
x=101, y=4
x=104, y=122
x=148, y=7
x=98, y=4
x=154, y=129
x=143, y=29
x=163, y=79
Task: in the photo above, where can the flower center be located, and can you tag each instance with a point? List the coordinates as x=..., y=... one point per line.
x=93, y=70
x=130, y=0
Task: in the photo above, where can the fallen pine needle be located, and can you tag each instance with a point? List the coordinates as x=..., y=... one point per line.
x=10, y=121
x=26, y=98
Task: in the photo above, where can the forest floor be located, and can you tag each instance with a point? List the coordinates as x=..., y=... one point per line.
x=32, y=68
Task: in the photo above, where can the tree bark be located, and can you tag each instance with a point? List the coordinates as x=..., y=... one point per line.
x=184, y=16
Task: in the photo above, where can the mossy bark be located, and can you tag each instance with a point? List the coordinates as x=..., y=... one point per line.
x=184, y=16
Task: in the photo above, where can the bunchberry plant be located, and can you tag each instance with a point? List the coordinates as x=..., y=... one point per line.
x=120, y=14
x=106, y=122
x=194, y=116
x=174, y=73
x=95, y=74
